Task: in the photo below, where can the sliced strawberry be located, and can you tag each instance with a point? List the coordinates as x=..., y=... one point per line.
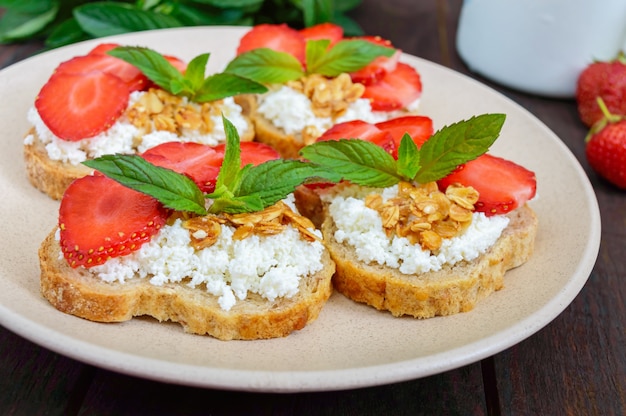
x=420, y=128
x=502, y=185
x=201, y=163
x=395, y=90
x=279, y=37
x=380, y=66
x=131, y=75
x=359, y=129
x=329, y=31
x=101, y=219
x=78, y=106
x=103, y=48
x=177, y=63
x=253, y=153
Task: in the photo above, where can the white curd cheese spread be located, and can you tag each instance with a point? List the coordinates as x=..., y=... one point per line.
x=124, y=137
x=361, y=227
x=271, y=266
x=291, y=111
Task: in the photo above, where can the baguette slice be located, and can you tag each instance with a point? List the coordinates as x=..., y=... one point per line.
x=52, y=177
x=77, y=292
x=451, y=290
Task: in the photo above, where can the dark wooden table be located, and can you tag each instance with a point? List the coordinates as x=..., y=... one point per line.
x=574, y=366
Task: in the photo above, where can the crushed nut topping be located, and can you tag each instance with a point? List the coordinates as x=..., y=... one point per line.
x=330, y=97
x=205, y=230
x=159, y=110
x=425, y=215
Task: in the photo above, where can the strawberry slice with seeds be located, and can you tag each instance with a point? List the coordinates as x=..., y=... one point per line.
x=79, y=106
x=420, y=128
x=396, y=90
x=101, y=219
x=502, y=184
x=201, y=163
x=103, y=48
x=278, y=37
x=380, y=66
x=328, y=30
x=100, y=61
x=359, y=129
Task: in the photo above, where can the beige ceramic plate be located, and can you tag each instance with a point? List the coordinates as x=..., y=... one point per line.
x=349, y=345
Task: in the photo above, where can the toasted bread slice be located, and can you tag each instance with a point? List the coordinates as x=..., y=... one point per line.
x=52, y=177
x=448, y=291
x=78, y=292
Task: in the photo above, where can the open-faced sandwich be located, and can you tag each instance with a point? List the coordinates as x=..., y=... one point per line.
x=318, y=78
x=165, y=235
x=429, y=230
x=125, y=100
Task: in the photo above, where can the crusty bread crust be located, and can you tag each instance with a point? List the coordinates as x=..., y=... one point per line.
x=52, y=177
x=448, y=291
x=78, y=292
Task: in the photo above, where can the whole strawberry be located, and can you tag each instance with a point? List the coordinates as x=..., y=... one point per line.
x=606, y=147
x=602, y=79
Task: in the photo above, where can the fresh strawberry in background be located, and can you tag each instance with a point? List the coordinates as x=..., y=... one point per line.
x=278, y=37
x=606, y=80
x=606, y=146
x=380, y=66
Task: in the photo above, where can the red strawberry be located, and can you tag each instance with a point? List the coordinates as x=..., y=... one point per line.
x=606, y=147
x=420, y=128
x=101, y=219
x=380, y=66
x=78, y=106
x=253, y=152
x=177, y=63
x=329, y=31
x=131, y=75
x=201, y=163
x=502, y=185
x=395, y=90
x=602, y=79
x=358, y=129
x=103, y=48
x=279, y=37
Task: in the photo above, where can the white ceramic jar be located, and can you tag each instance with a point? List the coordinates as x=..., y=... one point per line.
x=539, y=46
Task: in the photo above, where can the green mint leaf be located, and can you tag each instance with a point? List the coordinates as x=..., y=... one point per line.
x=408, y=157
x=231, y=165
x=456, y=144
x=273, y=180
x=358, y=161
x=194, y=73
x=224, y=85
x=153, y=65
x=344, y=56
x=172, y=189
x=315, y=51
x=266, y=66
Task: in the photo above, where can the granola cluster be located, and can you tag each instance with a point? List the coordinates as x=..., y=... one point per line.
x=158, y=110
x=425, y=215
x=330, y=97
x=205, y=230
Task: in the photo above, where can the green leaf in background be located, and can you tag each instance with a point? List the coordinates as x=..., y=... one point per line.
x=114, y=18
x=266, y=66
x=65, y=33
x=238, y=4
x=172, y=189
x=22, y=20
x=317, y=11
x=456, y=144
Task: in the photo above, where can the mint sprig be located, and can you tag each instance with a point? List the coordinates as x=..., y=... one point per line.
x=192, y=84
x=268, y=66
x=237, y=190
x=365, y=163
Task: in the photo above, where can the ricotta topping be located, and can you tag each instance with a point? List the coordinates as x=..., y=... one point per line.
x=291, y=111
x=361, y=227
x=270, y=266
x=124, y=137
